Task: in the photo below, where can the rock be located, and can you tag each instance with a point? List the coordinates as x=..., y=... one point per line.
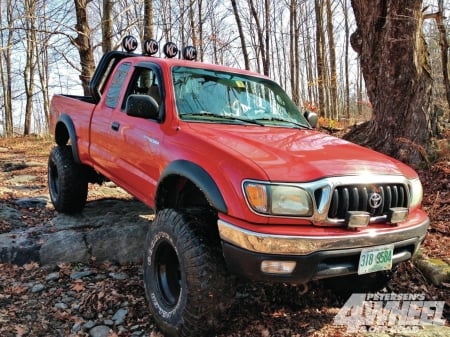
x=37, y=288
x=88, y=325
x=436, y=270
x=64, y=246
x=40, y=202
x=18, y=249
x=119, y=276
x=10, y=215
x=99, y=331
x=119, y=243
x=77, y=275
x=14, y=166
x=52, y=276
x=76, y=327
x=61, y=306
x=119, y=316
x=21, y=179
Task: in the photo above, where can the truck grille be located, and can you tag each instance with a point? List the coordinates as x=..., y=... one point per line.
x=375, y=199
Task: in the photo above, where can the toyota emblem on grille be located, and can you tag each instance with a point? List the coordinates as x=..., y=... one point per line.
x=375, y=200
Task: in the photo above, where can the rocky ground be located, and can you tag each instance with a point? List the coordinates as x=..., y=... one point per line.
x=93, y=297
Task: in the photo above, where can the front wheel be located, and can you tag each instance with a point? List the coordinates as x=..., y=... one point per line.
x=184, y=277
x=67, y=181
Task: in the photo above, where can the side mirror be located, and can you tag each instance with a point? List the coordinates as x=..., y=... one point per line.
x=142, y=106
x=311, y=117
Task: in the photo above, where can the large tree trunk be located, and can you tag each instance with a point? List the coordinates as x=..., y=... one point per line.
x=394, y=63
x=83, y=44
x=107, y=26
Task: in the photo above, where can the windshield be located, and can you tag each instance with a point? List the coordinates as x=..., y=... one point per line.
x=220, y=97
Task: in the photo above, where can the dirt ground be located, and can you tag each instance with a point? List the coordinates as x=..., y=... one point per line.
x=37, y=301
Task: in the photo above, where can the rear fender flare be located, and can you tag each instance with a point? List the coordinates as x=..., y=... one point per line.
x=65, y=130
x=199, y=177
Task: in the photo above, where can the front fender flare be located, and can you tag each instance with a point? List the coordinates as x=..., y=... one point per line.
x=199, y=177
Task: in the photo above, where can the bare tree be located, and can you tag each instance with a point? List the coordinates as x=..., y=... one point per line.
x=83, y=43
x=6, y=35
x=320, y=58
x=241, y=34
x=29, y=24
x=107, y=26
x=394, y=62
x=443, y=43
x=333, y=102
x=148, y=19
x=262, y=33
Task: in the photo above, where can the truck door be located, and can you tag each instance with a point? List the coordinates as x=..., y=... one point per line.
x=136, y=145
x=102, y=138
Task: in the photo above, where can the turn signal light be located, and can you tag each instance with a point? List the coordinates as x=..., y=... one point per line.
x=278, y=267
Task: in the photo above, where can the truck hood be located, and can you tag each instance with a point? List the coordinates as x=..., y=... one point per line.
x=298, y=155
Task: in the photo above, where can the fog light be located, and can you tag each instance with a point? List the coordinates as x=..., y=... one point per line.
x=277, y=267
x=357, y=219
x=397, y=214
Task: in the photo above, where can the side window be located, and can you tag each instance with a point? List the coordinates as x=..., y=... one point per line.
x=112, y=96
x=143, y=82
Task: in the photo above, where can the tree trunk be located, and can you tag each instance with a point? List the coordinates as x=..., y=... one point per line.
x=333, y=102
x=83, y=44
x=42, y=50
x=199, y=45
x=346, y=71
x=107, y=26
x=30, y=63
x=443, y=43
x=241, y=34
x=6, y=70
x=292, y=51
x=148, y=19
x=394, y=63
x=320, y=54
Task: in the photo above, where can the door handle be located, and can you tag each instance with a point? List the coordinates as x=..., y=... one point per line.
x=115, y=126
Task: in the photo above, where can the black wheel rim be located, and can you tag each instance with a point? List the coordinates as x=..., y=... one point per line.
x=168, y=274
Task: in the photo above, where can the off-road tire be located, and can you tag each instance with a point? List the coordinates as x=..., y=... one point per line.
x=67, y=181
x=186, y=283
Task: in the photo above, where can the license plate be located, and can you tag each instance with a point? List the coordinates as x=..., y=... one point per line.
x=375, y=259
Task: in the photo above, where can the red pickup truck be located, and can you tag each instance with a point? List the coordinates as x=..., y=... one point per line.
x=240, y=181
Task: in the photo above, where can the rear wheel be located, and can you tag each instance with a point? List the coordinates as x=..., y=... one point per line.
x=67, y=181
x=184, y=276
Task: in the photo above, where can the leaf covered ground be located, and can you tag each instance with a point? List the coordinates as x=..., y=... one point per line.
x=75, y=299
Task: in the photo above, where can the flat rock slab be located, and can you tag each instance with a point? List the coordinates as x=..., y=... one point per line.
x=108, y=230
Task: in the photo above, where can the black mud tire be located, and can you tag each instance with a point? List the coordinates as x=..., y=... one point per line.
x=186, y=283
x=67, y=181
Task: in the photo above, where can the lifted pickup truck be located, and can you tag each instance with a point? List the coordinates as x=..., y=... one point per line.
x=240, y=182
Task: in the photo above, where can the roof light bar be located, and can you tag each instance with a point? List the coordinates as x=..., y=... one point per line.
x=151, y=47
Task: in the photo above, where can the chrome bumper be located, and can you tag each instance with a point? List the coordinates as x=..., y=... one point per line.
x=303, y=245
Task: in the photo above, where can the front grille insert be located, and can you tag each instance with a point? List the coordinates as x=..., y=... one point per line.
x=375, y=199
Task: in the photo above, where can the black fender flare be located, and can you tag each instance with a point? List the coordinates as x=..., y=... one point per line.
x=199, y=177
x=62, y=139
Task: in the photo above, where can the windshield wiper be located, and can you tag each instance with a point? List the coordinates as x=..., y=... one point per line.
x=277, y=119
x=222, y=117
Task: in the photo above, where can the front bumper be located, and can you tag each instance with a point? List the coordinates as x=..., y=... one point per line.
x=316, y=257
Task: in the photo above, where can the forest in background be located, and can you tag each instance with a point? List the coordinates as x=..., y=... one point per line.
x=52, y=47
